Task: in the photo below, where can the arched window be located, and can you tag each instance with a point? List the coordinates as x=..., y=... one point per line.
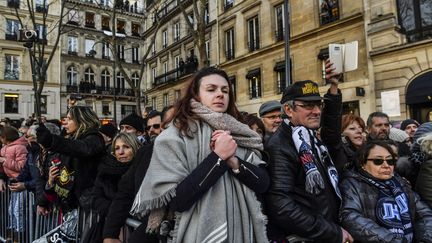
x=89, y=75
x=135, y=79
x=72, y=75
x=105, y=79
x=120, y=82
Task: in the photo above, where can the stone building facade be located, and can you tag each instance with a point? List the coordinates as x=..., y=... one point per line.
x=16, y=86
x=87, y=61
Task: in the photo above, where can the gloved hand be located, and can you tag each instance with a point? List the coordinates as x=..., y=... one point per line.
x=44, y=136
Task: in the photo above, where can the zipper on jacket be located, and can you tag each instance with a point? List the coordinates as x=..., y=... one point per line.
x=250, y=171
x=211, y=170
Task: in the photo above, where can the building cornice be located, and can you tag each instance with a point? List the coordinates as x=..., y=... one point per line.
x=404, y=47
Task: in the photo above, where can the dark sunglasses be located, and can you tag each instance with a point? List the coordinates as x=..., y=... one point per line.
x=155, y=126
x=381, y=161
x=310, y=105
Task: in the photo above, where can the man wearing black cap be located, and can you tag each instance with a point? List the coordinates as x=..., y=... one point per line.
x=270, y=114
x=304, y=197
x=133, y=124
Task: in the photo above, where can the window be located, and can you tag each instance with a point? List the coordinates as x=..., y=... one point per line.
x=154, y=48
x=89, y=75
x=127, y=110
x=254, y=78
x=165, y=67
x=105, y=80
x=11, y=67
x=176, y=61
x=228, y=4
x=135, y=54
x=106, y=23
x=229, y=44
x=165, y=100
x=177, y=95
x=72, y=45
x=232, y=80
x=106, y=51
x=13, y=4
x=72, y=75
x=207, y=49
x=89, y=43
x=135, y=79
x=121, y=26
x=176, y=31
x=153, y=74
x=329, y=11
x=415, y=17
x=105, y=3
x=120, y=82
x=41, y=31
x=135, y=29
x=253, y=34
x=43, y=104
x=11, y=103
x=106, y=108
x=12, y=29
x=164, y=39
x=279, y=22
x=280, y=75
x=89, y=20
x=73, y=17
x=120, y=52
x=206, y=14
x=154, y=103
x=41, y=6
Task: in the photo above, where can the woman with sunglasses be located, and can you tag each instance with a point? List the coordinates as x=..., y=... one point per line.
x=206, y=168
x=377, y=204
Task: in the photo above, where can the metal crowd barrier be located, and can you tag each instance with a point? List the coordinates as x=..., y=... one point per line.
x=35, y=226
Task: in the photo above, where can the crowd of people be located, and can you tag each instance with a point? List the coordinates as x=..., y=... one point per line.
x=202, y=171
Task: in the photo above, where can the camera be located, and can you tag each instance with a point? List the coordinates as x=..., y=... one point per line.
x=28, y=35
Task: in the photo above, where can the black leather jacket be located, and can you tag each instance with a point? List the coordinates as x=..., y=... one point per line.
x=291, y=210
x=358, y=212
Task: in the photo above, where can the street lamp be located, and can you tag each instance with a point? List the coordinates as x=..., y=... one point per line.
x=287, y=45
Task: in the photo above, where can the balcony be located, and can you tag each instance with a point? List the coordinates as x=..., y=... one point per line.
x=73, y=53
x=175, y=74
x=106, y=57
x=73, y=22
x=13, y=4
x=121, y=31
x=176, y=38
x=86, y=88
x=90, y=24
x=253, y=46
x=41, y=8
x=106, y=27
x=228, y=5
x=279, y=35
x=136, y=34
x=230, y=54
x=13, y=37
x=135, y=62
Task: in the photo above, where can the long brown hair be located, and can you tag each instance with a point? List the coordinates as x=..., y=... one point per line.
x=183, y=111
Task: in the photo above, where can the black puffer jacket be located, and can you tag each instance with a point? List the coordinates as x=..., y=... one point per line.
x=106, y=184
x=358, y=211
x=290, y=209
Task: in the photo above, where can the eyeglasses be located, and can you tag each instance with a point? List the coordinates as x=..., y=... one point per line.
x=381, y=161
x=273, y=117
x=310, y=105
x=155, y=126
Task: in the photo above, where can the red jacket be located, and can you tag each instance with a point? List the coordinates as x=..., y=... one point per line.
x=16, y=155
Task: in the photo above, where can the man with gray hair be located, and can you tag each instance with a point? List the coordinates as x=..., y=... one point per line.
x=303, y=199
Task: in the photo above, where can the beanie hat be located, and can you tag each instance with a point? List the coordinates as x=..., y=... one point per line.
x=108, y=130
x=134, y=121
x=398, y=135
x=407, y=122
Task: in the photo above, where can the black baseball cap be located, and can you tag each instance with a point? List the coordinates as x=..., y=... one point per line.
x=305, y=90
